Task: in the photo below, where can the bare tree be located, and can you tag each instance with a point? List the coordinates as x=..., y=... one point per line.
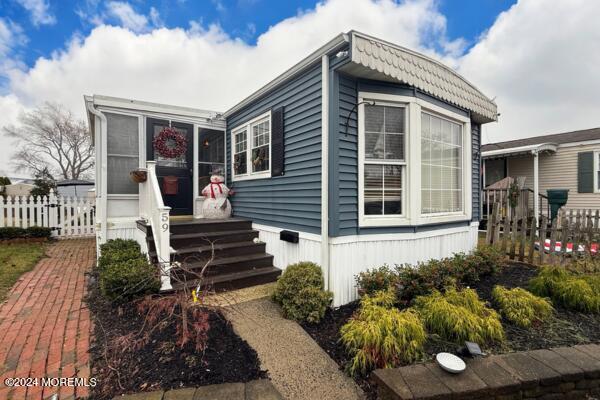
x=50, y=136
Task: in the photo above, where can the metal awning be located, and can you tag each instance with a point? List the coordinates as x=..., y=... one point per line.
x=521, y=150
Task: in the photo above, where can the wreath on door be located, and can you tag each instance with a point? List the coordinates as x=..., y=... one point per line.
x=169, y=143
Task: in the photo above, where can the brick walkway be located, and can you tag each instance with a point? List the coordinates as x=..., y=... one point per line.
x=45, y=325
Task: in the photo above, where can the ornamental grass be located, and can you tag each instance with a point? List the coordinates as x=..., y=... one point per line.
x=520, y=306
x=458, y=316
x=381, y=336
x=578, y=292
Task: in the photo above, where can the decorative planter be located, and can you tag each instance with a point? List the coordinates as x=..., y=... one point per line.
x=139, y=175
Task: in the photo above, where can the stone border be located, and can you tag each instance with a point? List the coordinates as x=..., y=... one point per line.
x=261, y=389
x=557, y=373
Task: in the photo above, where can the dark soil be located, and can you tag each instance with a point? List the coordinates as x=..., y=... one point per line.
x=564, y=329
x=122, y=365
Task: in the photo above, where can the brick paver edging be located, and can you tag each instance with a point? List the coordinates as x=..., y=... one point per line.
x=558, y=373
x=261, y=389
x=45, y=325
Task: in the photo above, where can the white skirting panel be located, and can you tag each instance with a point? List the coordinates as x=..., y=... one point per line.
x=285, y=253
x=351, y=255
x=126, y=228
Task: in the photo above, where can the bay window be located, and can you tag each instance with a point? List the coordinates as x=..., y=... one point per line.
x=251, y=149
x=414, y=164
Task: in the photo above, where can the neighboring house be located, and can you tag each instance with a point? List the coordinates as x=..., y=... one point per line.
x=74, y=187
x=18, y=189
x=568, y=160
x=365, y=152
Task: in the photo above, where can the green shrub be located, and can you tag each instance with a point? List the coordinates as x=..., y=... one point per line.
x=574, y=291
x=521, y=307
x=12, y=232
x=376, y=279
x=585, y=265
x=116, y=251
x=119, y=244
x=300, y=293
x=38, y=232
x=381, y=336
x=458, y=316
x=411, y=281
x=129, y=279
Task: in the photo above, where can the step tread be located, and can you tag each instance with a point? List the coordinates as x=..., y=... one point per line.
x=230, y=277
x=202, y=221
x=217, y=246
x=209, y=234
x=235, y=259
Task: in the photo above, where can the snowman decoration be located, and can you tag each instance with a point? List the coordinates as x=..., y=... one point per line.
x=216, y=205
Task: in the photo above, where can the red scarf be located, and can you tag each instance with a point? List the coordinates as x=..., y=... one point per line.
x=212, y=189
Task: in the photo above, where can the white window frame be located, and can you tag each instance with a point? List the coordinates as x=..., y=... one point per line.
x=411, y=177
x=596, y=170
x=249, y=175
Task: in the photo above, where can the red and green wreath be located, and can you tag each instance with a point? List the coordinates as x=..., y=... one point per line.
x=169, y=143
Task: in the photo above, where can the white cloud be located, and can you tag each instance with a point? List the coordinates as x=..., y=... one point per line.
x=540, y=60
x=127, y=16
x=39, y=11
x=12, y=39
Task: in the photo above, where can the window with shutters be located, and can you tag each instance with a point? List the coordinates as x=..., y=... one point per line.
x=414, y=162
x=251, y=149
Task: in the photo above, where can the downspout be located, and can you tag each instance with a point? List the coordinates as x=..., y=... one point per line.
x=536, y=185
x=325, y=170
x=101, y=144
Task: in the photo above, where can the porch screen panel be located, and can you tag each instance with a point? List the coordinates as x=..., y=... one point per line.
x=122, y=152
x=441, y=165
x=211, y=155
x=384, y=163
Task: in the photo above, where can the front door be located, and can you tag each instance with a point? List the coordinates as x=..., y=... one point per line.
x=174, y=174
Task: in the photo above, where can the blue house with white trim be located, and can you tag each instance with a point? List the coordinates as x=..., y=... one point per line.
x=364, y=153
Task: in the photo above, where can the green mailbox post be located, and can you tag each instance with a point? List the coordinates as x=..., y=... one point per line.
x=556, y=199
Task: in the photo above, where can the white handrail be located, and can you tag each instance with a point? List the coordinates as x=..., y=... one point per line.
x=154, y=211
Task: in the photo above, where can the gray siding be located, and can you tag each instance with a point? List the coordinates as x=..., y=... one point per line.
x=344, y=163
x=291, y=201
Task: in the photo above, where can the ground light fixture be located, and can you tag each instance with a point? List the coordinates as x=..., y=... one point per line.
x=451, y=363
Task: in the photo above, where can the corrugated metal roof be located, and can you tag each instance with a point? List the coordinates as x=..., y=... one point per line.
x=558, y=138
x=422, y=72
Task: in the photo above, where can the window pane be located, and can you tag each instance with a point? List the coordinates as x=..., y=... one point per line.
x=211, y=146
x=118, y=181
x=392, y=202
x=373, y=202
x=373, y=177
x=393, y=177
x=374, y=143
x=441, y=166
x=260, y=133
x=373, y=118
x=239, y=163
x=384, y=132
x=240, y=141
x=122, y=134
x=394, y=147
x=425, y=129
x=260, y=159
x=394, y=119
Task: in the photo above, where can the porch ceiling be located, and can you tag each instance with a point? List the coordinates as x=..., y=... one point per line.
x=520, y=151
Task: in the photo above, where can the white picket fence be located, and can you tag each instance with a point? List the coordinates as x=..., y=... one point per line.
x=67, y=216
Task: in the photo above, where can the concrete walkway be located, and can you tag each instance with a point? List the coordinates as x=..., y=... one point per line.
x=298, y=367
x=45, y=325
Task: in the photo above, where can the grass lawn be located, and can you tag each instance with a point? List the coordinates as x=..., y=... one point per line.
x=15, y=260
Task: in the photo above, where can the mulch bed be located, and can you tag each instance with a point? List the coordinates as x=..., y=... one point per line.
x=564, y=329
x=160, y=363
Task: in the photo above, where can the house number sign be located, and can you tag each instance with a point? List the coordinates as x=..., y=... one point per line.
x=164, y=219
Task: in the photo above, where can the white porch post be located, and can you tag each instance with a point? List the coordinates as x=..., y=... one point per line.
x=536, y=185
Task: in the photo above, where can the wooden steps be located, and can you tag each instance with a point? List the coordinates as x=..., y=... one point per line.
x=238, y=262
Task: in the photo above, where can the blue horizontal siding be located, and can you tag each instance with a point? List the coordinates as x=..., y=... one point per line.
x=291, y=201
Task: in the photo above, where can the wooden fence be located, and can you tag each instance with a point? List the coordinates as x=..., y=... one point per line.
x=66, y=216
x=573, y=233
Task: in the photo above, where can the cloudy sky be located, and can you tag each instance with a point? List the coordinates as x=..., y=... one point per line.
x=539, y=59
